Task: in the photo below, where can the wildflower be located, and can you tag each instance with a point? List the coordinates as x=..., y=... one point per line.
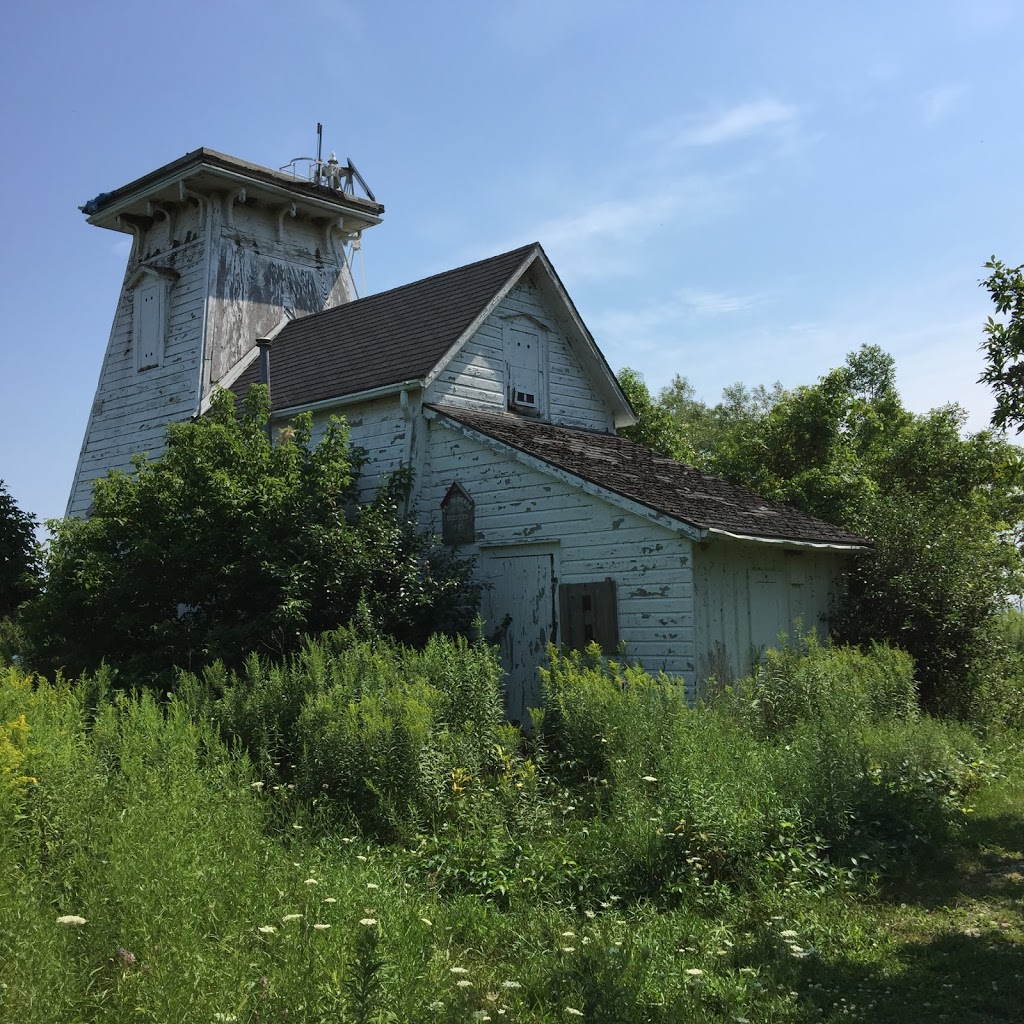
x=126, y=957
x=311, y=881
x=359, y=856
x=436, y=1005
x=457, y=970
x=649, y=779
x=511, y=984
x=568, y=949
x=330, y=899
x=321, y=927
x=368, y=922
x=464, y=983
x=427, y=922
x=266, y=929
x=291, y=917
x=568, y=935
x=788, y=934
x=571, y=1011
x=694, y=972
x=73, y=920
x=228, y=1018
x=481, y=1015
x=255, y=785
x=372, y=885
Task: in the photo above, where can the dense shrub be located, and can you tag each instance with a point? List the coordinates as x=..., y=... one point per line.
x=815, y=768
x=808, y=681
x=363, y=729
x=228, y=544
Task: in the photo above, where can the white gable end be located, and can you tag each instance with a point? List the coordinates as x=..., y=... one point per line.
x=522, y=347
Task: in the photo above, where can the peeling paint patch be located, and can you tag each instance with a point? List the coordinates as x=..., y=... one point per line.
x=616, y=523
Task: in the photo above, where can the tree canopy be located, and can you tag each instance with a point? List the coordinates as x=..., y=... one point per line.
x=942, y=508
x=18, y=561
x=228, y=544
x=1004, y=344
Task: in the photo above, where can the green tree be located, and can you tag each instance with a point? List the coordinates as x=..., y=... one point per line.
x=18, y=561
x=656, y=427
x=1004, y=344
x=228, y=544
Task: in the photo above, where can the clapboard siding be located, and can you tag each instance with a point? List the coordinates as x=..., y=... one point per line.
x=236, y=276
x=382, y=431
x=747, y=593
x=476, y=376
x=131, y=410
x=518, y=505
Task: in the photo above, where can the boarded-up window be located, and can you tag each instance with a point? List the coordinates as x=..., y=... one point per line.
x=588, y=614
x=457, y=517
x=148, y=324
x=524, y=360
x=151, y=288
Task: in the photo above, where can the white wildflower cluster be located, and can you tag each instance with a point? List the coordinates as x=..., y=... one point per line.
x=795, y=949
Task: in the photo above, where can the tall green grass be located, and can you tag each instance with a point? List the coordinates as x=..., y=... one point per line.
x=355, y=835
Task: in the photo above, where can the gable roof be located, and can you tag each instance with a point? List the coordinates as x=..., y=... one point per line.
x=655, y=481
x=387, y=338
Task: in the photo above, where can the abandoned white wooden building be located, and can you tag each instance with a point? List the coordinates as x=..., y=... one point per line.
x=484, y=381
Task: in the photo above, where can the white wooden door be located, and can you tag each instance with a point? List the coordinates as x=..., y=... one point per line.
x=518, y=608
x=769, y=610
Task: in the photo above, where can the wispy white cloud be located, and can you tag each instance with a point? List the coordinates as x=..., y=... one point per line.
x=938, y=103
x=740, y=122
x=605, y=237
x=650, y=326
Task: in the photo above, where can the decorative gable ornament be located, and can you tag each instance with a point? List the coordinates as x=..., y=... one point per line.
x=458, y=525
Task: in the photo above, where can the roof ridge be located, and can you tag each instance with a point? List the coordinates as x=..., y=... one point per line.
x=420, y=281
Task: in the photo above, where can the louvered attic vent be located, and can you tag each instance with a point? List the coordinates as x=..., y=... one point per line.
x=524, y=399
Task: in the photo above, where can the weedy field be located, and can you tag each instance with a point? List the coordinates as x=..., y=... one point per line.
x=357, y=836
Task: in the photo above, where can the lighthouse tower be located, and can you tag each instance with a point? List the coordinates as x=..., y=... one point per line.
x=223, y=251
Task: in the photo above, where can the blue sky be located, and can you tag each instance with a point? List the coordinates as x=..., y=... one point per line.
x=741, y=192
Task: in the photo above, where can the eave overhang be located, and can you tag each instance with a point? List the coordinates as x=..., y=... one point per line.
x=205, y=173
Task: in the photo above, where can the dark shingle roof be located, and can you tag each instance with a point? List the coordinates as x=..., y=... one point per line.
x=653, y=480
x=382, y=339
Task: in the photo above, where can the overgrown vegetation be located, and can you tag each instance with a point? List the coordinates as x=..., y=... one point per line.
x=228, y=544
x=353, y=834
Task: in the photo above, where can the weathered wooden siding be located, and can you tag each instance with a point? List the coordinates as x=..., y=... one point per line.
x=255, y=275
x=476, y=376
x=131, y=409
x=236, y=278
x=746, y=593
x=382, y=430
x=517, y=505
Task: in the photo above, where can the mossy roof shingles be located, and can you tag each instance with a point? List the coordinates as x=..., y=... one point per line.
x=653, y=480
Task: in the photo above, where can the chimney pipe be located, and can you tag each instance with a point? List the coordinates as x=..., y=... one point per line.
x=263, y=344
